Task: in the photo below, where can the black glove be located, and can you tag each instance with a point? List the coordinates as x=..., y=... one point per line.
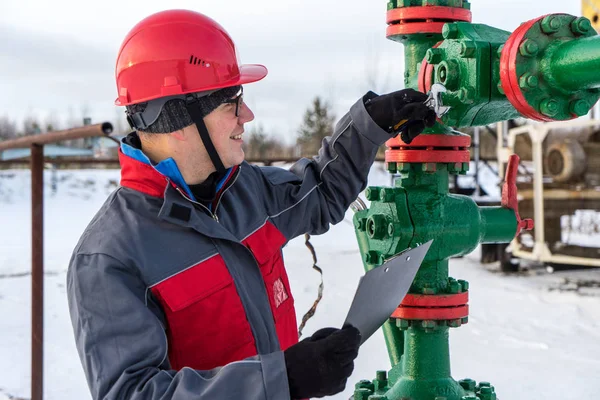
x=320, y=365
x=389, y=109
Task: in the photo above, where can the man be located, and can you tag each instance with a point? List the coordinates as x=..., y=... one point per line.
x=177, y=288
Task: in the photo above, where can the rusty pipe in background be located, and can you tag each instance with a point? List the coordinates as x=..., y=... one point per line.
x=37, y=271
x=102, y=129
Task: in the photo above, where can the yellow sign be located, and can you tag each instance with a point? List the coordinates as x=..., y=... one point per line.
x=591, y=10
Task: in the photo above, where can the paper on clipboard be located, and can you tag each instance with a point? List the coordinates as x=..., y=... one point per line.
x=382, y=289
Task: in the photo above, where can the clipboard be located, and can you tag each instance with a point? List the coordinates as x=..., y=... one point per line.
x=381, y=290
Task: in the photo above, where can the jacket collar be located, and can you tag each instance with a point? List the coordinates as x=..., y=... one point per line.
x=138, y=172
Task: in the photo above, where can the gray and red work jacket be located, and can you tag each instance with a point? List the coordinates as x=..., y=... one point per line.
x=172, y=299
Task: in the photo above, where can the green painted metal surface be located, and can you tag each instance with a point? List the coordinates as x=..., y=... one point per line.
x=558, y=72
x=558, y=66
x=558, y=69
x=426, y=367
x=559, y=75
x=418, y=208
x=467, y=63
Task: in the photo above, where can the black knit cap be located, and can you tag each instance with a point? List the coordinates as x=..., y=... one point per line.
x=174, y=115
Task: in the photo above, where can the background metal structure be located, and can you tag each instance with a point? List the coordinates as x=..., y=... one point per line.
x=36, y=144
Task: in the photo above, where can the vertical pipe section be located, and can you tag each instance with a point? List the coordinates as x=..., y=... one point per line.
x=415, y=48
x=37, y=271
x=394, y=338
x=477, y=151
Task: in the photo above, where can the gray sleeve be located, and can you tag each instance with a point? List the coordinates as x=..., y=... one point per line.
x=123, y=346
x=316, y=192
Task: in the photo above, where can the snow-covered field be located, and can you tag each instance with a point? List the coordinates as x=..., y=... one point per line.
x=530, y=335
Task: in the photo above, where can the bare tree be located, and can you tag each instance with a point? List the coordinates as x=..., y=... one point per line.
x=8, y=128
x=261, y=145
x=51, y=123
x=72, y=120
x=85, y=112
x=318, y=123
x=31, y=126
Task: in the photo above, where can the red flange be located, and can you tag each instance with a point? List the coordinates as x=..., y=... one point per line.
x=440, y=300
x=427, y=156
x=426, y=19
x=425, y=78
x=429, y=149
x=433, y=307
x=450, y=141
x=414, y=27
x=428, y=13
x=436, y=314
x=508, y=73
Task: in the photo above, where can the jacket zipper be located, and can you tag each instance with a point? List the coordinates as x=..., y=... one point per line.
x=227, y=188
x=214, y=216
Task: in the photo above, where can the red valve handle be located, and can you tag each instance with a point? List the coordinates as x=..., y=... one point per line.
x=509, y=194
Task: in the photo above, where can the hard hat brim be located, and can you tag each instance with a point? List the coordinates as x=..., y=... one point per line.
x=251, y=73
x=248, y=73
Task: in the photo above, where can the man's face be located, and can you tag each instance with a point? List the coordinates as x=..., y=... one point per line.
x=226, y=129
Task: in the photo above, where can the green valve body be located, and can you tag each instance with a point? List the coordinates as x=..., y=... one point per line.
x=417, y=209
x=546, y=70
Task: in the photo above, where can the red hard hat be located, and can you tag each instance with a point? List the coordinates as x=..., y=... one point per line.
x=177, y=52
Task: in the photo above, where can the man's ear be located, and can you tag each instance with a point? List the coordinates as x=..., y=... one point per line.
x=182, y=135
x=187, y=134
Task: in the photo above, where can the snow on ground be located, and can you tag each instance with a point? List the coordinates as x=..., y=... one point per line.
x=531, y=335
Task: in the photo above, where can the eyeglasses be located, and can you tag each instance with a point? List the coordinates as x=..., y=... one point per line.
x=238, y=100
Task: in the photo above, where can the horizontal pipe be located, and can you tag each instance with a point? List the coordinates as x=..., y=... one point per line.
x=61, y=161
x=498, y=224
x=536, y=255
x=575, y=64
x=25, y=142
x=115, y=161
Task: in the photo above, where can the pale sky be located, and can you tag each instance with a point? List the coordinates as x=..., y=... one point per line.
x=57, y=57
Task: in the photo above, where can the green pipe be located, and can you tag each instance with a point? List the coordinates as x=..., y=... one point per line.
x=426, y=367
x=427, y=354
x=394, y=338
x=415, y=47
x=498, y=224
x=575, y=64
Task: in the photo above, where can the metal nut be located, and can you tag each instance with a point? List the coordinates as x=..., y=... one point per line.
x=550, y=24
x=528, y=81
x=467, y=49
x=373, y=257
x=549, y=107
x=467, y=384
x=450, y=31
x=529, y=48
x=581, y=26
x=433, y=56
x=372, y=193
x=579, y=107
